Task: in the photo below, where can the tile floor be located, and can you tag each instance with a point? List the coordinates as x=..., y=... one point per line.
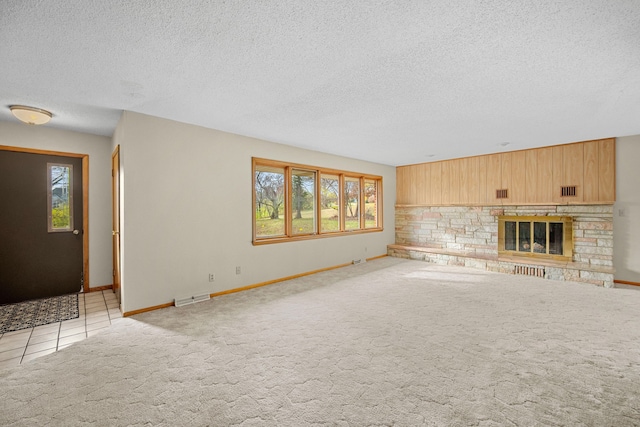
x=97, y=311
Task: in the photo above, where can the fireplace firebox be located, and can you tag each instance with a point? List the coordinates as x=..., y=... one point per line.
x=548, y=237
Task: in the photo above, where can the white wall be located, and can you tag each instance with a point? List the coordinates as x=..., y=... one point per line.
x=626, y=218
x=188, y=212
x=98, y=149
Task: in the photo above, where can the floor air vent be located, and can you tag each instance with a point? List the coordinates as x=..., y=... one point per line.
x=179, y=302
x=526, y=270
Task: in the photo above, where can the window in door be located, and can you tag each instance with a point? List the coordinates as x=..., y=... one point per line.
x=59, y=197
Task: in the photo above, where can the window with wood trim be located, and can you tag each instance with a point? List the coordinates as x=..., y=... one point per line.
x=59, y=197
x=294, y=202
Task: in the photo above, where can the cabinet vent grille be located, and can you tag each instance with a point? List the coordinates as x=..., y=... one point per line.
x=502, y=194
x=568, y=191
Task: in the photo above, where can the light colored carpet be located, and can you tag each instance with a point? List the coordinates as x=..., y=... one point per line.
x=389, y=342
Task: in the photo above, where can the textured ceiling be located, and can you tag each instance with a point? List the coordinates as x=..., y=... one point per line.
x=394, y=82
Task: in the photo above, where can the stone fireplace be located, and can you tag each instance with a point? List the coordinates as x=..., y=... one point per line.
x=563, y=242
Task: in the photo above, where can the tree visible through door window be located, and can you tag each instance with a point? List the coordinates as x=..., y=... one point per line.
x=60, y=197
x=293, y=202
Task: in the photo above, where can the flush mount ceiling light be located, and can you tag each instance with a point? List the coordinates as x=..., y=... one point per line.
x=30, y=115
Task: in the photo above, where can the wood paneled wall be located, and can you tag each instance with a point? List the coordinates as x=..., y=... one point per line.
x=531, y=177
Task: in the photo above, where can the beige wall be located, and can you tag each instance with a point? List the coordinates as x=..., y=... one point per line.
x=187, y=212
x=178, y=182
x=98, y=148
x=626, y=218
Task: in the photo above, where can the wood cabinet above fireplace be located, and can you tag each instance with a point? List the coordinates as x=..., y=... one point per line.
x=569, y=174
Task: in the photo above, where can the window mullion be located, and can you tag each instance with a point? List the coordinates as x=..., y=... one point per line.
x=341, y=203
x=318, y=201
x=361, y=205
x=547, y=228
x=287, y=202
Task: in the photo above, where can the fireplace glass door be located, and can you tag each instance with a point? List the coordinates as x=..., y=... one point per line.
x=548, y=237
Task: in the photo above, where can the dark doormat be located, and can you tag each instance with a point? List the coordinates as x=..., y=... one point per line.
x=29, y=314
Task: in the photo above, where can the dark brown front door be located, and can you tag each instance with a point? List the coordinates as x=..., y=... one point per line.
x=41, y=226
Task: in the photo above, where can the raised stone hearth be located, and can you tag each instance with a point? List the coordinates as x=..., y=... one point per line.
x=468, y=236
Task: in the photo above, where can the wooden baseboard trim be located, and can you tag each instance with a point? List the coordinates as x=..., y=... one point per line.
x=144, y=310
x=625, y=282
x=101, y=288
x=271, y=282
x=246, y=288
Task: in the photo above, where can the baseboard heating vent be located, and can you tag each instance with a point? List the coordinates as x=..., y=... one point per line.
x=526, y=270
x=179, y=302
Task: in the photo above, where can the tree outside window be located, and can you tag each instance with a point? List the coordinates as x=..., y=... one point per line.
x=269, y=198
x=293, y=202
x=352, y=203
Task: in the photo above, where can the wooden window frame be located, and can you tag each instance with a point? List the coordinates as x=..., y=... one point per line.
x=319, y=172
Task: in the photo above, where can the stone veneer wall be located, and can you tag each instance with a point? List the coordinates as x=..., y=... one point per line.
x=469, y=236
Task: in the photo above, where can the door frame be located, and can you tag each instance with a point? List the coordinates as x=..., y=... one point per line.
x=115, y=221
x=85, y=200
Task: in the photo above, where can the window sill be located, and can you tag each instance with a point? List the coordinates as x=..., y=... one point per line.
x=270, y=240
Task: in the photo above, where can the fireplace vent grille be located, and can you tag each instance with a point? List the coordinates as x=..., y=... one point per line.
x=502, y=194
x=568, y=191
x=526, y=270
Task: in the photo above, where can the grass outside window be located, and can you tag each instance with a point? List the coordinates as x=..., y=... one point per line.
x=294, y=202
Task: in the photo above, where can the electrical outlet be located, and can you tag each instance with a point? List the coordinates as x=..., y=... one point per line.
x=212, y=277
x=238, y=270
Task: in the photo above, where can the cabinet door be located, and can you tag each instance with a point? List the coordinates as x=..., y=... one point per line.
x=557, y=174
x=446, y=182
x=607, y=170
x=539, y=176
x=457, y=186
x=436, y=183
x=518, y=186
x=472, y=176
x=544, y=169
x=506, y=180
x=403, y=183
x=591, y=171
x=494, y=178
x=573, y=171
x=423, y=184
x=399, y=178
x=482, y=180
x=532, y=176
